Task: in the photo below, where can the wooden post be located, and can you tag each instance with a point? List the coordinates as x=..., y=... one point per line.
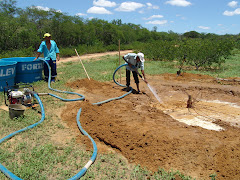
x=119, y=60
x=82, y=64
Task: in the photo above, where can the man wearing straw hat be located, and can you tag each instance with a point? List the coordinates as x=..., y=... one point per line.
x=51, y=52
x=134, y=62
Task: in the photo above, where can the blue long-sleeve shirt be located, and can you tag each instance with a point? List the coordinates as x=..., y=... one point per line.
x=49, y=53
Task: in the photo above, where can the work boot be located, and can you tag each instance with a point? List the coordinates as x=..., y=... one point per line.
x=46, y=79
x=128, y=89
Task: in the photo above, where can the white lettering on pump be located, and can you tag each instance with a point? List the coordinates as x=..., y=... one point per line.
x=7, y=72
x=35, y=66
x=30, y=67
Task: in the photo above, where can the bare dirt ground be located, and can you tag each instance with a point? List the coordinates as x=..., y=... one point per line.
x=198, y=141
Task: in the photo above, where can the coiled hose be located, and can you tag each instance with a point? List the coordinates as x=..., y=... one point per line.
x=117, y=84
x=49, y=86
x=2, y=168
x=13, y=176
x=93, y=158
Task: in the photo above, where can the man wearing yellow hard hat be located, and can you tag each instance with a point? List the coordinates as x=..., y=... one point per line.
x=51, y=52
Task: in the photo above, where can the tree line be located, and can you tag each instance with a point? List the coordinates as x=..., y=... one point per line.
x=22, y=29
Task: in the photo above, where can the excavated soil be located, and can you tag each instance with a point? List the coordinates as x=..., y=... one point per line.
x=200, y=140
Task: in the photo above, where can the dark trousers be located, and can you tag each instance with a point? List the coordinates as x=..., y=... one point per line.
x=135, y=76
x=53, y=66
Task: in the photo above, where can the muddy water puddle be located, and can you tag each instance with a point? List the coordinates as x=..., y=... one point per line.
x=203, y=113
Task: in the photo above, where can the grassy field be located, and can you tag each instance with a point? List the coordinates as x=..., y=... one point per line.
x=34, y=155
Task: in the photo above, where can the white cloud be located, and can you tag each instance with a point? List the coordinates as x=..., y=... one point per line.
x=180, y=16
x=44, y=8
x=157, y=22
x=129, y=6
x=232, y=13
x=98, y=10
x=104, y=3
x=41, y=8
x=154, y=16
x=233, y=4
x=80, y=14
x=203, y=27
x=183, y=3
x=150, y=6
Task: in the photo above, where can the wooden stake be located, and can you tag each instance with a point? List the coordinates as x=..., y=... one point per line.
x=82, y=64
x=119, y=61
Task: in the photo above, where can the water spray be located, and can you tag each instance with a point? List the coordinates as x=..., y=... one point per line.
x=150, y=88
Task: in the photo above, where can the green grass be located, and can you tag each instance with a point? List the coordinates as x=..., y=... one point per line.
x=98, y=70
x=159, y=67
x=34, y=155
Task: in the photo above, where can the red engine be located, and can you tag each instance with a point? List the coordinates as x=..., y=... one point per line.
x=15, y=97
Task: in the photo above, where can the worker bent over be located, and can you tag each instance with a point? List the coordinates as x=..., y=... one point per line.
x=134, y=61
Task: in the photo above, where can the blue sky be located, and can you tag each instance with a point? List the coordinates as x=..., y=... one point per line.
x=180, y=16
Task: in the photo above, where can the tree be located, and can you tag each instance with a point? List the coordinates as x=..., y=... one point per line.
x=154, y=29
x=8, y=7
x=204, y=53
x=117, y=22
x=191, y=34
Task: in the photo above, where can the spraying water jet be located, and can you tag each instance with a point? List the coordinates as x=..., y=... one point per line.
x=150, y=88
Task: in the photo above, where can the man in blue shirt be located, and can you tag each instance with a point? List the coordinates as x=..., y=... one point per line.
x=134, y=62
x=51, y=52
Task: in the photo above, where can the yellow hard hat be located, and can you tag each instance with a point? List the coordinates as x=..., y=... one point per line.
x=46, y=35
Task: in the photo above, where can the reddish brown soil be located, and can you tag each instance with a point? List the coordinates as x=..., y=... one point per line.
x=141, y=129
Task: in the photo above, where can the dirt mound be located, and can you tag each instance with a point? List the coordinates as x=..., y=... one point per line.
x=88, y=84
x=159, y=135
x=95, y=91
